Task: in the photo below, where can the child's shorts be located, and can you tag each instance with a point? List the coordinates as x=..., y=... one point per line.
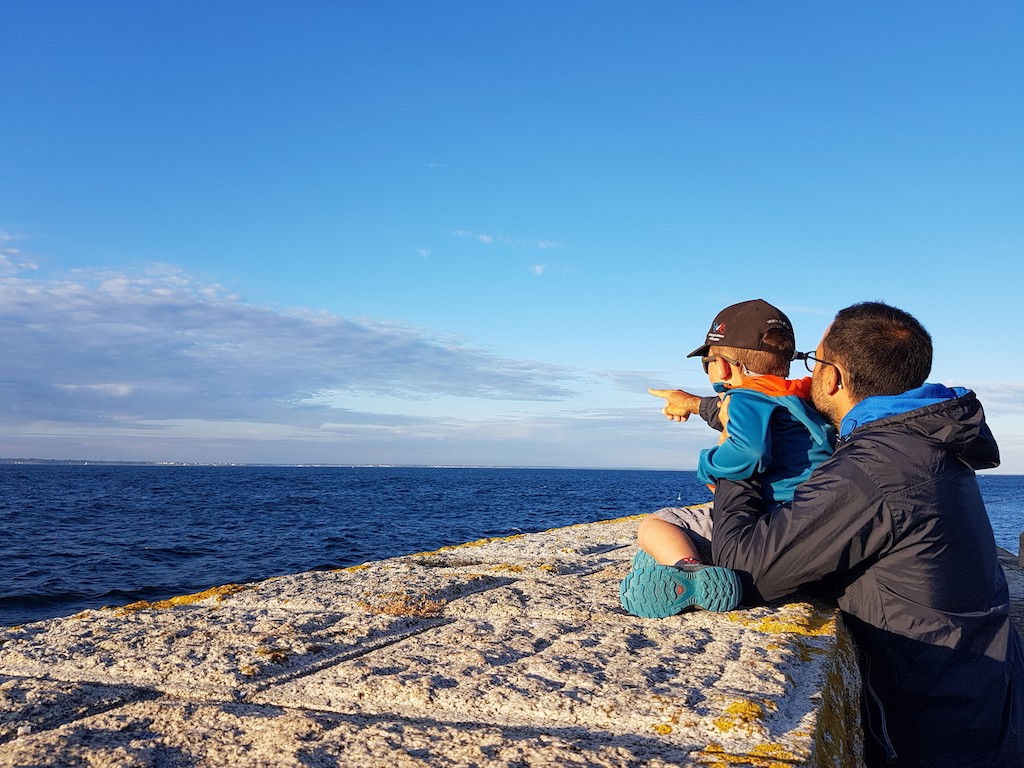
x=696, y=521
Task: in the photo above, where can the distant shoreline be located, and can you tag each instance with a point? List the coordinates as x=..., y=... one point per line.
x=115, y=462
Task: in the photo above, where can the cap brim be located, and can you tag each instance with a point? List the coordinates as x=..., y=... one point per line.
x=700, y=351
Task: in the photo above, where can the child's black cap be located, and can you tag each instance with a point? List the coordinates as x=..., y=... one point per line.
x=743, y=326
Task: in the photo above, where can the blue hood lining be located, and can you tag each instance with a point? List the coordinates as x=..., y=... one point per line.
x=882, y=406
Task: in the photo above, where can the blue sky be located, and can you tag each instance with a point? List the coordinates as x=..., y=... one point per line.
x=476, y=233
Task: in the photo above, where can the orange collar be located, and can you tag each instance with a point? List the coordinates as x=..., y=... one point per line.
x=777, y=386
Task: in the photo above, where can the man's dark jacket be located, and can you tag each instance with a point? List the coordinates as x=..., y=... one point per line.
x=894, y=527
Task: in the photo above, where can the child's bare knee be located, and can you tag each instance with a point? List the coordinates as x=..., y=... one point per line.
x=647, y=524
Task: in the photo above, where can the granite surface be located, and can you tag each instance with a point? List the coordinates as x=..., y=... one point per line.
x=509, y=652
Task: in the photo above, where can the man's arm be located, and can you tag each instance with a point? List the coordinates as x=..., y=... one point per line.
x=680, y=404
x=833, y=524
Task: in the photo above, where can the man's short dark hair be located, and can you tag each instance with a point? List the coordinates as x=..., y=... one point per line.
x=883, y=350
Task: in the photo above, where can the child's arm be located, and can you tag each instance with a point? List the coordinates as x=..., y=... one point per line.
x=746, y=446
x=681, y=404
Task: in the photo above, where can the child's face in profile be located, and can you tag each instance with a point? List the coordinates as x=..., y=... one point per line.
x=714, y=368
x=721, y=368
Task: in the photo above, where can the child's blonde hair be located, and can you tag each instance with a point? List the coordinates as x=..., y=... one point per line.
x=773, y=361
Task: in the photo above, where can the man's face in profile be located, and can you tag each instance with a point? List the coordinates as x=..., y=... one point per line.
x=822, y=382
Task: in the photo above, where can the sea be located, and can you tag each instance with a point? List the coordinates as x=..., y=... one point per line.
x=80, y=536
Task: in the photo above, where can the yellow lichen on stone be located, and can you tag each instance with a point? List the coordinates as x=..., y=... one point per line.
x=513, y=568
x=805, y=651
x=800, y=625
x=467, y=545
x=626, y=519
x=739, y=713
x=401, y=604
x=508, y=567
x=215, y=592
x=761, y=756
x=275, y=655
x=775, y=752
x=838, y=741
x=714, y=756
x=663, y=729
x=813, y=623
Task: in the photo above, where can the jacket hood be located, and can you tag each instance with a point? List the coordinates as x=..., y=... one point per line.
x=952, y=417
x=776, y=386
x=795, y=396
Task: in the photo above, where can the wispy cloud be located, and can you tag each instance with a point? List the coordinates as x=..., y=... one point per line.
x=998, y=399
x=157, y=365
x=12, y=260
x=638, y=382
x=514, y=242
x=119, y=349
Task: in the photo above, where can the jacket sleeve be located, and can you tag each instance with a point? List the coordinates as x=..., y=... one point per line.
x=747, y=447
x=836, y=523
x=709, y=410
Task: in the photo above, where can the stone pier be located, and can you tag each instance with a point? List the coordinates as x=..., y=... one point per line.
x=507, y=652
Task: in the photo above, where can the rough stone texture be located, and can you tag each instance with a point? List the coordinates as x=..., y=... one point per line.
x=507, y=652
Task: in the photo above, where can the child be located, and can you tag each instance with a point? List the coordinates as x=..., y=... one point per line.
x=770, y=430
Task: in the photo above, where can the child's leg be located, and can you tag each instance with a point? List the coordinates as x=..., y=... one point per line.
x=677, y=533
x=664, y=541
x=680, y=537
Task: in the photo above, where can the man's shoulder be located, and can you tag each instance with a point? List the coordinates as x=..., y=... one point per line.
x=873, y=461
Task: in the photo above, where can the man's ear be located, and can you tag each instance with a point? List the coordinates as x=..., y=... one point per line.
x=833, y=380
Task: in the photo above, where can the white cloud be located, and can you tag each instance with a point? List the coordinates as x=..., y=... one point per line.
x=101, y=349
x=539, y=269
x=513, y=242
x=13, y=260
x=157, y=366
x=997, y=399
x=112, y=389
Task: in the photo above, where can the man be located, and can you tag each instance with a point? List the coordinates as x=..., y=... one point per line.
x=894, y=527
